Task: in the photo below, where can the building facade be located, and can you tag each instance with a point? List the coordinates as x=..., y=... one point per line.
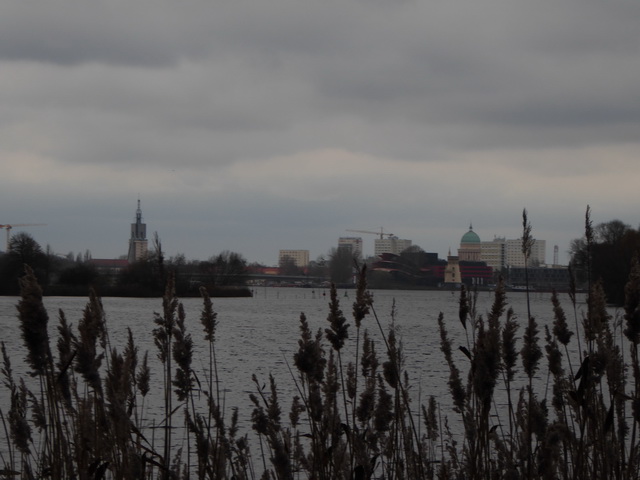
x=470, y=247
x=541, y=278
x=354, y=244
x=493, y=253
x=392, y=244
x=300, y=257
x=452, y=275
x=515, y=258
x=138, y=245
x=501, y=253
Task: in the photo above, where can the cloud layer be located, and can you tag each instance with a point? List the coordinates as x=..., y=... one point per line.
x=259, y=126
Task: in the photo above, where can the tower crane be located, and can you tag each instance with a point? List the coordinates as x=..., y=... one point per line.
x=8, y=228
x=381, y=232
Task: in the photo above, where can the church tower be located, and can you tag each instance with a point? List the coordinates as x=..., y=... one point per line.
x=138, y=241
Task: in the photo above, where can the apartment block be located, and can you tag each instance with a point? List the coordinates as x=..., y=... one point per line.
x=391, y=244
x=354, y=244
x=515, y=258
x=299, y=257
x=493, y=253
x=501, y=253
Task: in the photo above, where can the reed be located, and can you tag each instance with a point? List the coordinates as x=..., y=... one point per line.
x=571, y=410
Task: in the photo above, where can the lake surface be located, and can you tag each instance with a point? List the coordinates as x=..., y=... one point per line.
x=260, y=335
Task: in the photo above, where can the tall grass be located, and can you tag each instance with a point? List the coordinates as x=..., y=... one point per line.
x=531, y=403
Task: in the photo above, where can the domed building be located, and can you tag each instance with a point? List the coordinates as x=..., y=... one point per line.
x=470, y=249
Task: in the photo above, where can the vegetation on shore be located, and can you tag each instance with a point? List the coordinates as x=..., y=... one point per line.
x=572, y=391
x=612, y=247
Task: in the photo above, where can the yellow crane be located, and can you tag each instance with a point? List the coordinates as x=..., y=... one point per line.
x=381, y=232
x=8, y=228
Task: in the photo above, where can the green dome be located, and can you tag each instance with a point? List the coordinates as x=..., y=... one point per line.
x=470, y=237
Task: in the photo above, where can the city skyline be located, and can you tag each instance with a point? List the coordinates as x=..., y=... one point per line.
x=255, y=126
x=138, y=236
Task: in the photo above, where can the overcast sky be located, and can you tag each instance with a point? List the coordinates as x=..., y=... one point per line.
x=260, y=125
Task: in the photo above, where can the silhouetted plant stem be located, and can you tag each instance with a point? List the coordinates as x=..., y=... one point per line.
x=395, y=365
x=531, y=353
x=632, y=333
x=361, y=308
x=337, y=334
x=33, y=324
x=208, y=318
x=163, y=338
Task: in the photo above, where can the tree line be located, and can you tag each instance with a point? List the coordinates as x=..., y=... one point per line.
x=73, y=274
x=603, y=254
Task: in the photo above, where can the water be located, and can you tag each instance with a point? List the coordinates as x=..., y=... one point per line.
x=260, y=335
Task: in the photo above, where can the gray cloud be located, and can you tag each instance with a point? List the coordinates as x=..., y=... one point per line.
x=300, y=119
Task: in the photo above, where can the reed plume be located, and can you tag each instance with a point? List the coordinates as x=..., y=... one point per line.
x=33, y=323
x=82, y=414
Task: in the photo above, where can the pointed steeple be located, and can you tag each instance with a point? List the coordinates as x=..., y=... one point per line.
x=138, y=240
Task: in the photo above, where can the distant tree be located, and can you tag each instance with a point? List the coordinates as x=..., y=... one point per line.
x=341, y=265
x=181, y=268
x=178, y=260
x=319, y=268
x=145, y=277
x=140, y=278
x=226, y=268
x=23, y=250
x=157, y=258
x=78, y=274
x=287, y=266
x=614, y=245
x=612, y=232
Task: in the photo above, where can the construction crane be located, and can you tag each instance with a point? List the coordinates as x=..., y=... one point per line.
x=381, y=232
x=8, y=228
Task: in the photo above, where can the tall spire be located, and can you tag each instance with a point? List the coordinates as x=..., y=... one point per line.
x=138, y=240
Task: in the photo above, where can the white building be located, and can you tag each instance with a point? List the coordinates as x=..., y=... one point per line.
x=299, y=257
x=354, y=244
x=391, y=244
x=493, y=253
x=515, y=258
x=500, y=253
